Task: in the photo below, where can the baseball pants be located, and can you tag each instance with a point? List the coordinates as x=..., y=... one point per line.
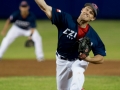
x=15, y=32
x=70, y=74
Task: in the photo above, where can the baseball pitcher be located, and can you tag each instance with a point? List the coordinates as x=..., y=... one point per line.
x=76, y=38
x=24, y=24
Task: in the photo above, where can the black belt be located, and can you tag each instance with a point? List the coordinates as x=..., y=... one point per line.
x=64, y=58
x=61, y=57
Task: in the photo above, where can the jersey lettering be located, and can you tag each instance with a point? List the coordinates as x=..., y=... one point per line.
x=70, y=33
x=22, y=23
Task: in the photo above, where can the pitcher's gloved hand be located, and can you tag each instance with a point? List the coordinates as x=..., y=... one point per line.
x=84, y=47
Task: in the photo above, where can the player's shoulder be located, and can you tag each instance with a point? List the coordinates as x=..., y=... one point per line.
x=92, y=32
x=94, y=36
x=70, y=17
x=56, y=10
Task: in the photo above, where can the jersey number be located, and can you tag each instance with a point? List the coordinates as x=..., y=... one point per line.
x=70, y=33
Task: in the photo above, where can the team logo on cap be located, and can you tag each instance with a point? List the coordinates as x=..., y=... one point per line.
x=96, y=7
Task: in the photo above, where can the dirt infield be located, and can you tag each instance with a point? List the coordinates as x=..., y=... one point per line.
x=47, y=68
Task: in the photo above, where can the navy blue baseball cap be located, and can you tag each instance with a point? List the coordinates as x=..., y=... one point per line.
x=24, y=4
x=94, y=7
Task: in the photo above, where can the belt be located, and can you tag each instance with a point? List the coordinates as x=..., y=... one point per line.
x=64, y=58
x=61, y=57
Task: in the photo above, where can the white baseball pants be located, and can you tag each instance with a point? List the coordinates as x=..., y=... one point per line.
x=70, y=74
x=15, y=32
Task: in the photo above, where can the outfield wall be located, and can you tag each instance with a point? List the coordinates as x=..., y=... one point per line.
x=108, y=8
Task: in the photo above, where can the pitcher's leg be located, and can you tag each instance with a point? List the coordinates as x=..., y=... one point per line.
x=38, y=45
x=63, y=75
x=78, y=79
x=8, y=39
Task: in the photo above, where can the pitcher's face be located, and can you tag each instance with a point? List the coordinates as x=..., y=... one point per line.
x=87, y=14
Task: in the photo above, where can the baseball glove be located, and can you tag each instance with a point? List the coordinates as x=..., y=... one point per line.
x=84, y=47
x=29, y=43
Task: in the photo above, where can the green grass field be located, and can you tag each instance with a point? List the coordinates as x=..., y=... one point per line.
x=108, y=30
x=49, y=83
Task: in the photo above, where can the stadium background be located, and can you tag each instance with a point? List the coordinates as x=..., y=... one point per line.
x=19, y=69
x=108, y=8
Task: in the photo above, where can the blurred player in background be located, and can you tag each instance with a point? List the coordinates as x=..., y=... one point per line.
x=24, y=24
